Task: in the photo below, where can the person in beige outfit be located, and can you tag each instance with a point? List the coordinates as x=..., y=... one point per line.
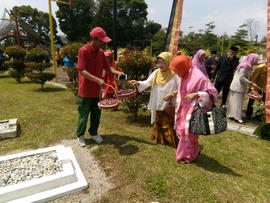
x=239, y=86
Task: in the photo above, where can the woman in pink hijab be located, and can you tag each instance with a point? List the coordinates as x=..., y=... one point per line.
x=239, y=86
x=198, y=61
x=193, y=86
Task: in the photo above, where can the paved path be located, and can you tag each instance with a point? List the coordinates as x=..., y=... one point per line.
x=245, y=129
x=62, y=76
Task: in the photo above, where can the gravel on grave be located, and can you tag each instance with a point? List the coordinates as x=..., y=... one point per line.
x=26, y=168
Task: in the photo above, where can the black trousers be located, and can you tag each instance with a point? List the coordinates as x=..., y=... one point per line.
x=223, y=83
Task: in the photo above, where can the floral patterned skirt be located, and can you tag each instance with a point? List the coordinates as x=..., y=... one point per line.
x=163, y=130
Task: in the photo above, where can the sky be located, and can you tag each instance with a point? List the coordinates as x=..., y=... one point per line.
x=228, y=15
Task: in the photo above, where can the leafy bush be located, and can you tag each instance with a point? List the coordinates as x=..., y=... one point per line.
x=40, y=78
x=37, y=55
x=71, y=51
x=16, y=69
x=263, y=131
x=16, y=52
x=259, y=109
x=136, y=64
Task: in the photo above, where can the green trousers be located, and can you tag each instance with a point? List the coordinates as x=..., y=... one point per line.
x=86, y=106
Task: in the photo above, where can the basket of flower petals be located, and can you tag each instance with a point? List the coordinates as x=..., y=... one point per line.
x=126, y=93
x=254, y=95
x=108, y=104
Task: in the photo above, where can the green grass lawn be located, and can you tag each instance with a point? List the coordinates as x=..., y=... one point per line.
x=231, y=168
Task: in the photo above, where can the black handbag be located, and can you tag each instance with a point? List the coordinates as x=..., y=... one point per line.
x=206, y=123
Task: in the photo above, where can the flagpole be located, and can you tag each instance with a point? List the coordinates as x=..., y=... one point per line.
x=52, y=40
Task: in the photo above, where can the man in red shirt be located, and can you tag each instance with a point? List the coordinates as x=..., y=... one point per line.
x=91, y=62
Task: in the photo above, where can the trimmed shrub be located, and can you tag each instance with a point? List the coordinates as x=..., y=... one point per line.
x=16, y=69
x=40, y=78
x=37, y=55
x=15, y=65
x=34, y=66
x=15, y=52
x=37, y=65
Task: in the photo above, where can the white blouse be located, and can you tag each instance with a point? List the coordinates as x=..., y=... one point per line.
x=158, y=92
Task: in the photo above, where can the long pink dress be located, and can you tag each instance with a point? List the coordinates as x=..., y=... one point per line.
x=188, y=146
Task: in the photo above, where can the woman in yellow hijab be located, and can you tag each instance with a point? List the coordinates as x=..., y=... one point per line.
x=164, y=74
x=162, y=82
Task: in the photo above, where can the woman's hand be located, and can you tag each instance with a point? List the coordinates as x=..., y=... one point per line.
x=134, y=82
x=168, y=97
x=191, y=96
x=254, y=85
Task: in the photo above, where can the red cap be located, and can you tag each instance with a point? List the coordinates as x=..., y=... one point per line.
x=99, y=33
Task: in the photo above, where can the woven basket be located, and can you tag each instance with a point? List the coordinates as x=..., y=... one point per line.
x=133, y=93
x=108, y=106
x=254, y=96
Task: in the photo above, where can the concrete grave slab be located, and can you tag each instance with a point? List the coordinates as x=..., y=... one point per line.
x=8, y=128
x=69, y=180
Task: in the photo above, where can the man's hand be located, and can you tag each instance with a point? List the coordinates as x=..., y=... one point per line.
x=120, y=73
x=100, y=82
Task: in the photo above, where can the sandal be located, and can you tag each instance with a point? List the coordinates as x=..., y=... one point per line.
x=184, y=161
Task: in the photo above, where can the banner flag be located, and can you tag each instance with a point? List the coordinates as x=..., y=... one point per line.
x=172, y=37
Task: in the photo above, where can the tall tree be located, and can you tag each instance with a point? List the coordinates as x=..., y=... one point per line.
x=131, y=19
x=252, y=27
x=76, y=21
x=151, y=28
x=209, y=38
x=158, y=41
x=191, y=42
x=240, y=37
x=38, y=21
